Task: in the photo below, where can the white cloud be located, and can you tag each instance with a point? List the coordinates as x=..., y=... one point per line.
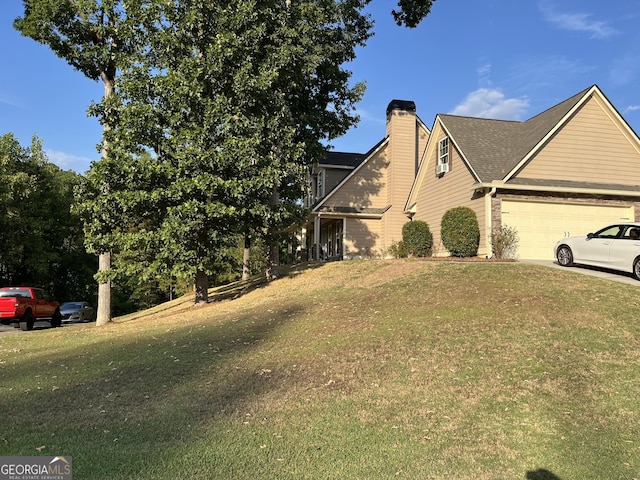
x=631, y=108
x=576, y=22
x=366, y=116
x=8, y=100
x=491, y=103
x=484, y=74
x=67, y=161
x=534, y=73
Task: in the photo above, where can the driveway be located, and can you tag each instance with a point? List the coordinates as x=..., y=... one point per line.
x=10, y=329
x=613, y=275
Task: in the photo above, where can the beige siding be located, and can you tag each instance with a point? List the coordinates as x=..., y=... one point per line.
x=436, y=195
x=403, y=144
x=423, y=139
x=367, y=188
x=594, y=146
x=362, y=238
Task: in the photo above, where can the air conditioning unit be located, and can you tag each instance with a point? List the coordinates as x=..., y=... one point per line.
x=442, y=168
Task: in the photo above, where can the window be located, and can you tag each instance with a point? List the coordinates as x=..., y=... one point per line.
x=609, y=232
x=443, y=151
x=443, y=157
x=320, y=184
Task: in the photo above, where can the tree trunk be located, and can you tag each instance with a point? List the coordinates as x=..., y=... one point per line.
x=202, y=288
x=273, y=262
x=273, y=257
x=103, y=314
x=246, y=258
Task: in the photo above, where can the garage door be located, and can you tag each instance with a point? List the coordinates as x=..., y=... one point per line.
x=540, y=225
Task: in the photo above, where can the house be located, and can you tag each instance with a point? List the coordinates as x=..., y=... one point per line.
x=566, y=171
x=358, y=201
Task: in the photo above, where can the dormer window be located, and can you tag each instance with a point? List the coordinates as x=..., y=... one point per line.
x=443, y=156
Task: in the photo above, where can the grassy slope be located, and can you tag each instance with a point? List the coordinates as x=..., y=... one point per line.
x=372, y=369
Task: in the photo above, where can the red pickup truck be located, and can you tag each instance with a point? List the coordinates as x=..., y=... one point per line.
x=24, y=305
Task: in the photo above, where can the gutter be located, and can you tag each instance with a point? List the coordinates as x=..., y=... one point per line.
x=539, y=188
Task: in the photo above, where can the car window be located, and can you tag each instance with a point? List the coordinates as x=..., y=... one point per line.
x=631, y=233
x=609, y=232
x=15, y=293
x=40, y=294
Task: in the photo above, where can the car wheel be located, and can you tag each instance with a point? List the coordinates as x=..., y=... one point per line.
x=636, y=268
x=56, y=320
x=26, y=322
x=564, y=256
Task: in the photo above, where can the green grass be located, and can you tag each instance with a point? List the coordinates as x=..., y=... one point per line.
x=377, y=369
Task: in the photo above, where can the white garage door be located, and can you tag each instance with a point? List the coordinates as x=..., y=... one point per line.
x=540, y=225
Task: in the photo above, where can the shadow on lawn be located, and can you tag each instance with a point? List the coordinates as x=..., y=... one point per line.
x=128, y=398
x=541, y=474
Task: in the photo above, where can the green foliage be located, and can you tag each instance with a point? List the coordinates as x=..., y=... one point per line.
x=417, y=238
x=41, y=241
x=212, y=130
x=460, y=232
x=398, y=250
x=412, y=12
x=504, y=242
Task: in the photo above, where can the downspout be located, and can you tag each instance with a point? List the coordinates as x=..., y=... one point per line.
x=488, y=220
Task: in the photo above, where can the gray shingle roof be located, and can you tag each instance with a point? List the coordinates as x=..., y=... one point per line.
x=493, y=148
x=343, y=159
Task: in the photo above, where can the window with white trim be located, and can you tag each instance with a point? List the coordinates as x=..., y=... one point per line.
x=443, y=157
x=443, y=151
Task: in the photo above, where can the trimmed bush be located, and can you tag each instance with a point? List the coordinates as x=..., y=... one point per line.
x=398, y=250
x=504, y=242
x=417, y=238
x=460, y=232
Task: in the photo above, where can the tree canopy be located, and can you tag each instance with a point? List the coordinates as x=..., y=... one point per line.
x=96, y=37
x=212, y=113
x=233, y=100
x=41, y=242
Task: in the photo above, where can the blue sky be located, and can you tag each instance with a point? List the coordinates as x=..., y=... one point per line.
x=493, y=58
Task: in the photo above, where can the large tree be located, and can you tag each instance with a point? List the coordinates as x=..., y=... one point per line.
x=96, y=37
x=234, y=99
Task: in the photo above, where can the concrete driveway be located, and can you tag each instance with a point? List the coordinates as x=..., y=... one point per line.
x=10, y=329
x=613, y=275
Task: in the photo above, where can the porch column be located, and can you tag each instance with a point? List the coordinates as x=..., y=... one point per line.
x=316, y=238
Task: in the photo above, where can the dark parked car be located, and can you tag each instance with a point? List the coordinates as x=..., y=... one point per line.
x=77, y=312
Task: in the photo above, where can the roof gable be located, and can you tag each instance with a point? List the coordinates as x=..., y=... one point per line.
x=494, y=148
x=366, y=158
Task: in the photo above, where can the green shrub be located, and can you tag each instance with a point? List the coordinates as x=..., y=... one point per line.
x=398, y=250
x=417, y=238
x=460, y=232
x=504, y=242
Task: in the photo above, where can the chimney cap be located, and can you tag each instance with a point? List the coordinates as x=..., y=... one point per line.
x=406, y=105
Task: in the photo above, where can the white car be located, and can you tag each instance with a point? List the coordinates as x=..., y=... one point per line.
x=616, y=247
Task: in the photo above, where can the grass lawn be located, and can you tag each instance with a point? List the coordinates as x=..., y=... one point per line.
x=348, y=370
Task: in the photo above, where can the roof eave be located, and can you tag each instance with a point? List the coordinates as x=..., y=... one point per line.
x=556, y=189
